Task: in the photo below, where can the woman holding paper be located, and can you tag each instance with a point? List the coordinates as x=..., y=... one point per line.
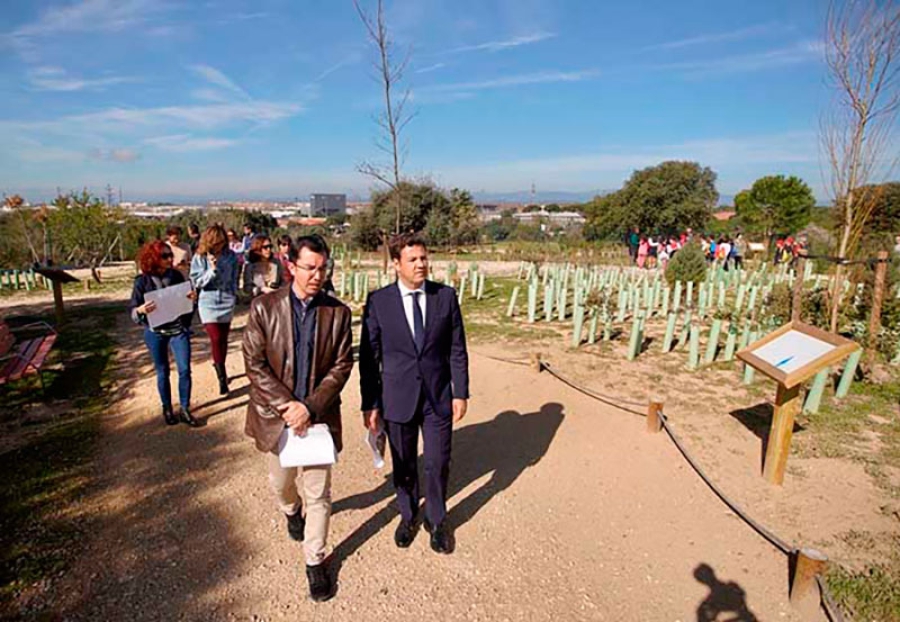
x=214, y=272
x=155, y=261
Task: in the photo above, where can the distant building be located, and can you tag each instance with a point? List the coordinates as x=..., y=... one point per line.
x=563, y=219
x=327, y=204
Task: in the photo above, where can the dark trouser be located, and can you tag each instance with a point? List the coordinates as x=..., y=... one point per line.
x=632, y=253
x=218, y=339
x=159, y=351
x=437, y=434
x=738, y=262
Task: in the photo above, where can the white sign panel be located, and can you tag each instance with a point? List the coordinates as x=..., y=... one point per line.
x=792, y=350
x=171, y=303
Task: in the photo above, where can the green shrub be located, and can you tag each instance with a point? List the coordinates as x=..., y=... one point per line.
x=688, y=265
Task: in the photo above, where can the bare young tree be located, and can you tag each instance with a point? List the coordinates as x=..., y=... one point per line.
x=395, y=116
x=862, y=44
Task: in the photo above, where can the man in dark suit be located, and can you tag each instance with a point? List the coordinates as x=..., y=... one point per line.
x=298, y=354
x=414, y=373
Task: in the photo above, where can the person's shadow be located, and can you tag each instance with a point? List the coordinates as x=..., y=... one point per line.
x=504, y=447
x=723, y=598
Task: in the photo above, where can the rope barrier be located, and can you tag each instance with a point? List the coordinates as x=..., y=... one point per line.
x=872, y=261
x=610, y=401
x=826, y=600
x=502, y=360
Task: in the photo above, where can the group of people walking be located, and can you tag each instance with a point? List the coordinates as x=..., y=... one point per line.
x=655, y=250
x=298, y=355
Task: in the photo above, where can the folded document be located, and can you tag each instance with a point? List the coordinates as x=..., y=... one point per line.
x=315, y=448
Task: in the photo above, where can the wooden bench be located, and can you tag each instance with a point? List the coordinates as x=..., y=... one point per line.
x=24, y=357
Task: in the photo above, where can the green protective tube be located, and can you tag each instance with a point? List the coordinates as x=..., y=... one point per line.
x=816, y=390
x=592, y=328
x=848, y=374
x=633, y=341
x=694, y=351
x=510, y=311
x=577, y=325
x=713, y=344
x=730, y=341
x=671, y=319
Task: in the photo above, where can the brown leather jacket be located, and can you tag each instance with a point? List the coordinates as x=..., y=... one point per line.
x=269, y=361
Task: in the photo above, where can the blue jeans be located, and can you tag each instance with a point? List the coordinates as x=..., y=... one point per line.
x=159, y=351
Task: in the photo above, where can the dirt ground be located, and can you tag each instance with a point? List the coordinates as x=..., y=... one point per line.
x=563, y=508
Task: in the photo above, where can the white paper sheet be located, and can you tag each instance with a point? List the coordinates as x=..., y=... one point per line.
x=793, y=350
x=171, y=303
x=315, y=448
x=377, y=442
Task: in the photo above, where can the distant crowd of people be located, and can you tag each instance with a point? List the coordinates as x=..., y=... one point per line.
x=656, y=250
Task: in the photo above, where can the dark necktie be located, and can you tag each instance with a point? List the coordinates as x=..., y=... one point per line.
x=418, y=324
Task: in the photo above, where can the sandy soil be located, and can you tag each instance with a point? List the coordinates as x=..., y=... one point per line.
x=563, y=509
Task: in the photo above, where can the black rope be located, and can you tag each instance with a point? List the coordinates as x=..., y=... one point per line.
x=608, y=400
x=843, y=261
x=502, y=360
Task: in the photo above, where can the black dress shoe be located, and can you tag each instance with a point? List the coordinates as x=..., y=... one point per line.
x=169, y=416
x=405, y=534
x=188, y=418
x=441, y=538
x=296, y=525
x=319, y=583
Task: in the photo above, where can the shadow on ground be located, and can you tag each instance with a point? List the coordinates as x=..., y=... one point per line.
x=725, y=600
x=503, y=447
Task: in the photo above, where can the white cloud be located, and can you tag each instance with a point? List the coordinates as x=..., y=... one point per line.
x=185, y=142
x=496, y=46
x=81, y=16
x=719, y=37
x=430, y=68
x=205, y=117
x=122, y=156
x=350, y=59
x=219, y=79
x=542, y=77
x=798, y=53
x=57, y=79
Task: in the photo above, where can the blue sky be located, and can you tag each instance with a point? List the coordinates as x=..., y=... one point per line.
x=275, y=98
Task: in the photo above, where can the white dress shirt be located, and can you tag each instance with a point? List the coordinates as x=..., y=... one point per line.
x=406, y=294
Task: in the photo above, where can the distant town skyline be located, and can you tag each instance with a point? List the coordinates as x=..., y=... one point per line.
x=273, y=99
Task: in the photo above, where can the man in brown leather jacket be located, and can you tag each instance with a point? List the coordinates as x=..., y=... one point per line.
x=298, y=356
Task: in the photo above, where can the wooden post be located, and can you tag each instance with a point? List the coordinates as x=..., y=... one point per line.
x=58, y=302
x=808, y=563
x=877, y=298
x=535, y=358
x=797, y=298
x=787, y=405
x=654, y=424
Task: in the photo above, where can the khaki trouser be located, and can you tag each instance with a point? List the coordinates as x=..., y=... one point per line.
x=317, y=497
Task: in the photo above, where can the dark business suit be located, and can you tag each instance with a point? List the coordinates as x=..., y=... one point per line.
x=414, y=387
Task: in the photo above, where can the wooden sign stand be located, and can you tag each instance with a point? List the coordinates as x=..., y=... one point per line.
x=789, y=378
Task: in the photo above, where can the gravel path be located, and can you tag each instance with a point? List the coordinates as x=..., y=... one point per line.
x=564, y=509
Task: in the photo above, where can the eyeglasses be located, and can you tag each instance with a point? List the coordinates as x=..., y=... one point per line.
x=167, y=256
x=267, y=247
x=321, y=270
